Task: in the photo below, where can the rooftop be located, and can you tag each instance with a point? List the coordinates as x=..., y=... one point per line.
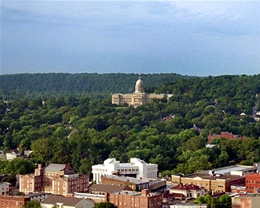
x=67, y=201
x=107, y=188
x=131, y=179
x=52, y=167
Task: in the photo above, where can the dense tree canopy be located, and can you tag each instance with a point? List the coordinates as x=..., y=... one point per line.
x=85, y=130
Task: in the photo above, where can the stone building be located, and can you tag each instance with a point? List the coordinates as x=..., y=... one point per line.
x=138, y=97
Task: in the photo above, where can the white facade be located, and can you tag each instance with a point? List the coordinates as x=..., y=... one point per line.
x=11, y=155
x=136, y=167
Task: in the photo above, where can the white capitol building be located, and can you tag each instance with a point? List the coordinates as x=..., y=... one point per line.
x=139, y=97
x=136, y=168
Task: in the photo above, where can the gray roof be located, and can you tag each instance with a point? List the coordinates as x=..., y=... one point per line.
x=52, y=167
x=107, y=188
x=67, y=201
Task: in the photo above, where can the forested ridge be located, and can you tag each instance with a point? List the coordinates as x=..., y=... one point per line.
x=63, y=83
x=84, y=130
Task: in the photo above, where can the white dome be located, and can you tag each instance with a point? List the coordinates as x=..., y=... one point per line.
x=139, y=86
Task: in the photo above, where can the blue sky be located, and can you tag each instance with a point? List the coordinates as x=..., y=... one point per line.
x=186, y=37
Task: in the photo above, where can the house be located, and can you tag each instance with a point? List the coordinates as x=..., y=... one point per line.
x=132, y=199
x=137, y=168
x=225, y=135
x=5, y=188
x=13, y=201
x=66, y=202
x=53, y=178
x=12, y=154
x=188, y=190
x=27, y=153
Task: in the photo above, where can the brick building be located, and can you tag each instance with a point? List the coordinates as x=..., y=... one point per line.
x=226, y=135
x=131, y=199
x=13, y=201
x=253, y=183
x=53, y=178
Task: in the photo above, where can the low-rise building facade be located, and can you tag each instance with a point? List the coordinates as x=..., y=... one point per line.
x=253, y=183
x=136, y=168
x=5, y=188
x=225, y=135
x=213, y=183
x=135, y=183
x=143, y=199
x=188, y=190
x=13, y=201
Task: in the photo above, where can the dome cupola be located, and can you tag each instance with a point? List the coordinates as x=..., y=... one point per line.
x=139, y=86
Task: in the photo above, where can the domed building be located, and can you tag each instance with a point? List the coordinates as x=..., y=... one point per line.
x=138, y=97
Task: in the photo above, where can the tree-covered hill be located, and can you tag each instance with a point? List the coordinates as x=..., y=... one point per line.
x=61, y=83
x=84, y=130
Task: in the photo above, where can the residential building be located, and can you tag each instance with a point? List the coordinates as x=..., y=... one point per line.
x=136, y=168
x=188, y=190
x=9, y=201
x=136, y=184
x=5, y=188
x=139, y=96
x=10, y=155
x=143, y=199
x=225, y=135
x=66, y=202
x=27, y=153
x=53, y=178
x=211, y=182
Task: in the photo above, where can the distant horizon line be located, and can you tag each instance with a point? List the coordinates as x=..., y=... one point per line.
x=34, y=73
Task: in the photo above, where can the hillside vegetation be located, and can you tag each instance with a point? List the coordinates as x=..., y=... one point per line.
x=83, y=130
x=77, y=84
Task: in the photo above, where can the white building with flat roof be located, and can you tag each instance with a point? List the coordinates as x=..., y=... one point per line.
x=136, y=168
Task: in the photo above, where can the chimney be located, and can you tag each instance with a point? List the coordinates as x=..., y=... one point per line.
x=39, y=166
x=145, y=192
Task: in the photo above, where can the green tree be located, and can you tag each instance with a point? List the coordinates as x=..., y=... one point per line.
x=104, y=205
x=32, y=204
